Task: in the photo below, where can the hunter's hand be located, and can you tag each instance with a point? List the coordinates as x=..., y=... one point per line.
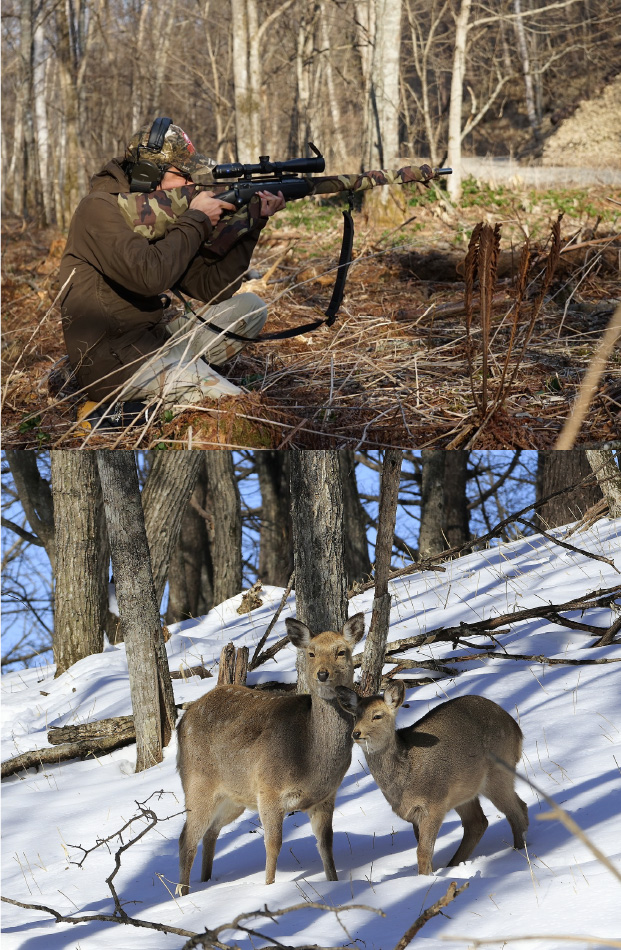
x=270, y=203
x=206, y=202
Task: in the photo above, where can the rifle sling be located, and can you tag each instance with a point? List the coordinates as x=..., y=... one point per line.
x=345, y=259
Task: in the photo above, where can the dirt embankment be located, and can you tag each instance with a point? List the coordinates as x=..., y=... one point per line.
x=591, y=137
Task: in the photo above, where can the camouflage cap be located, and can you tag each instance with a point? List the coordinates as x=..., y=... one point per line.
x=176, y=151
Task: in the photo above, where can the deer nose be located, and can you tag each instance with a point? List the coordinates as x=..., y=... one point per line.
x=323, y=675
x=356, y=734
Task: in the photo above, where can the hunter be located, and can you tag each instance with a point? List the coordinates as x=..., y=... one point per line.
x=115, y=280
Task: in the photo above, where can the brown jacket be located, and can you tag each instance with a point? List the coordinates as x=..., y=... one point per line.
x=111, y=309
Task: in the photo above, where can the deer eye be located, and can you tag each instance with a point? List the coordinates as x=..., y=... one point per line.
x=311, y=654
x=341, y=653
x=378, y=716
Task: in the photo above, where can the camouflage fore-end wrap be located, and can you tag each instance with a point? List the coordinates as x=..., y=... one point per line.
x=152, y=214
x=366, y=180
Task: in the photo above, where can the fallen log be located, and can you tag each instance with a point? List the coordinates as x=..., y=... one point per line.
x=37, y=758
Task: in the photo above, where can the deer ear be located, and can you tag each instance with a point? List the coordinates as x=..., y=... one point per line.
x=347, y=699
x=353, y=629
x=299, y=634
x=394, y=694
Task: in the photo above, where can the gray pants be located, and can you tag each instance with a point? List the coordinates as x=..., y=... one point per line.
x=179, y=373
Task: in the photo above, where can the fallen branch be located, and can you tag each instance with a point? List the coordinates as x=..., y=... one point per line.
x=257, y=656
x=433, y=911
x=570, y=547
x=199, y=939
x=36, y=758
x=430, y=564
x=526, y=657
x=455, y=635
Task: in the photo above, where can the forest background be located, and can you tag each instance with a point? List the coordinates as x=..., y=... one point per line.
x=373, y=84
x=367, y=81
x=236, y=528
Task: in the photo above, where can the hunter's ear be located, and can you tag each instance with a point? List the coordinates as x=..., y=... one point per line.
x=353, y=629
x=299, y=634
x=394, y=694
x=347, y=699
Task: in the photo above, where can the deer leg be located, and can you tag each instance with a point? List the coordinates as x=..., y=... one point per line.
x=475, y=823
x=225, y=813
x=428, y=828
x=188, y=843
x=272, y=816
x=502, y=794
x=321, y=822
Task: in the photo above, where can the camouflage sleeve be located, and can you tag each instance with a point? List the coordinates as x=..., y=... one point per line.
x=231, y=228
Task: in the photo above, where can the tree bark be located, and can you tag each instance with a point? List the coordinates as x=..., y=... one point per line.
x=606, y=470
x=224, y=507
x=35, y=497
x=276, y=541
x=169, y=486
x=190, y=574
x=375, y=645
x=149, y=678
x=457, y=95
x=444, y=512
x=356, y=552
x=317, y=515
x=82, y=558
x=557, y=470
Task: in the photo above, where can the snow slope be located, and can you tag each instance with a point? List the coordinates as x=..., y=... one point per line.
x=570, y=716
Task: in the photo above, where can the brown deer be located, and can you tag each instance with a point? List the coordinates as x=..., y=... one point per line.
x=242, y=748
x=445, y=760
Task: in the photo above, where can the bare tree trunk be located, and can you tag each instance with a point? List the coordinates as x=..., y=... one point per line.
x=35, y=497
x=247, y=79
x=522, y=45
x=356, y=553
x=190, y=575
x=206, y=565
x=608, y=474
x=382, y=204
x=149, y=677
x=456, y=528
x=375, y=645
x=82, y=558
x=557, y=470
x=276, y=541
x=224, y=506
x=457, y=94
x=444, y=512
x=169, y=486
x=317, y=515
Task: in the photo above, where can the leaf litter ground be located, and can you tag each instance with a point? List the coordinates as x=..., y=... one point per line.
x=398, y=366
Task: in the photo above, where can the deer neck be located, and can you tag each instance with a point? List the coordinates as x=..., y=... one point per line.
x=389, y=761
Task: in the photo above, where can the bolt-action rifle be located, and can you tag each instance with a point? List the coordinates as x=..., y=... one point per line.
x=151, y=214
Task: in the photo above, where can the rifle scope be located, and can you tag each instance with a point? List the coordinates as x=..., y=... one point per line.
x=294, y=166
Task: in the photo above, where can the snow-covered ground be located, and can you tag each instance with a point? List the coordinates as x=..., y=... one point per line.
x=570, y=716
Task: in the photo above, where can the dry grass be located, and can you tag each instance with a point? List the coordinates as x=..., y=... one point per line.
x=402, y=366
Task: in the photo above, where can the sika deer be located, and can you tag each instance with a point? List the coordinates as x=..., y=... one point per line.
x=443, y=761
x=241, y=748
